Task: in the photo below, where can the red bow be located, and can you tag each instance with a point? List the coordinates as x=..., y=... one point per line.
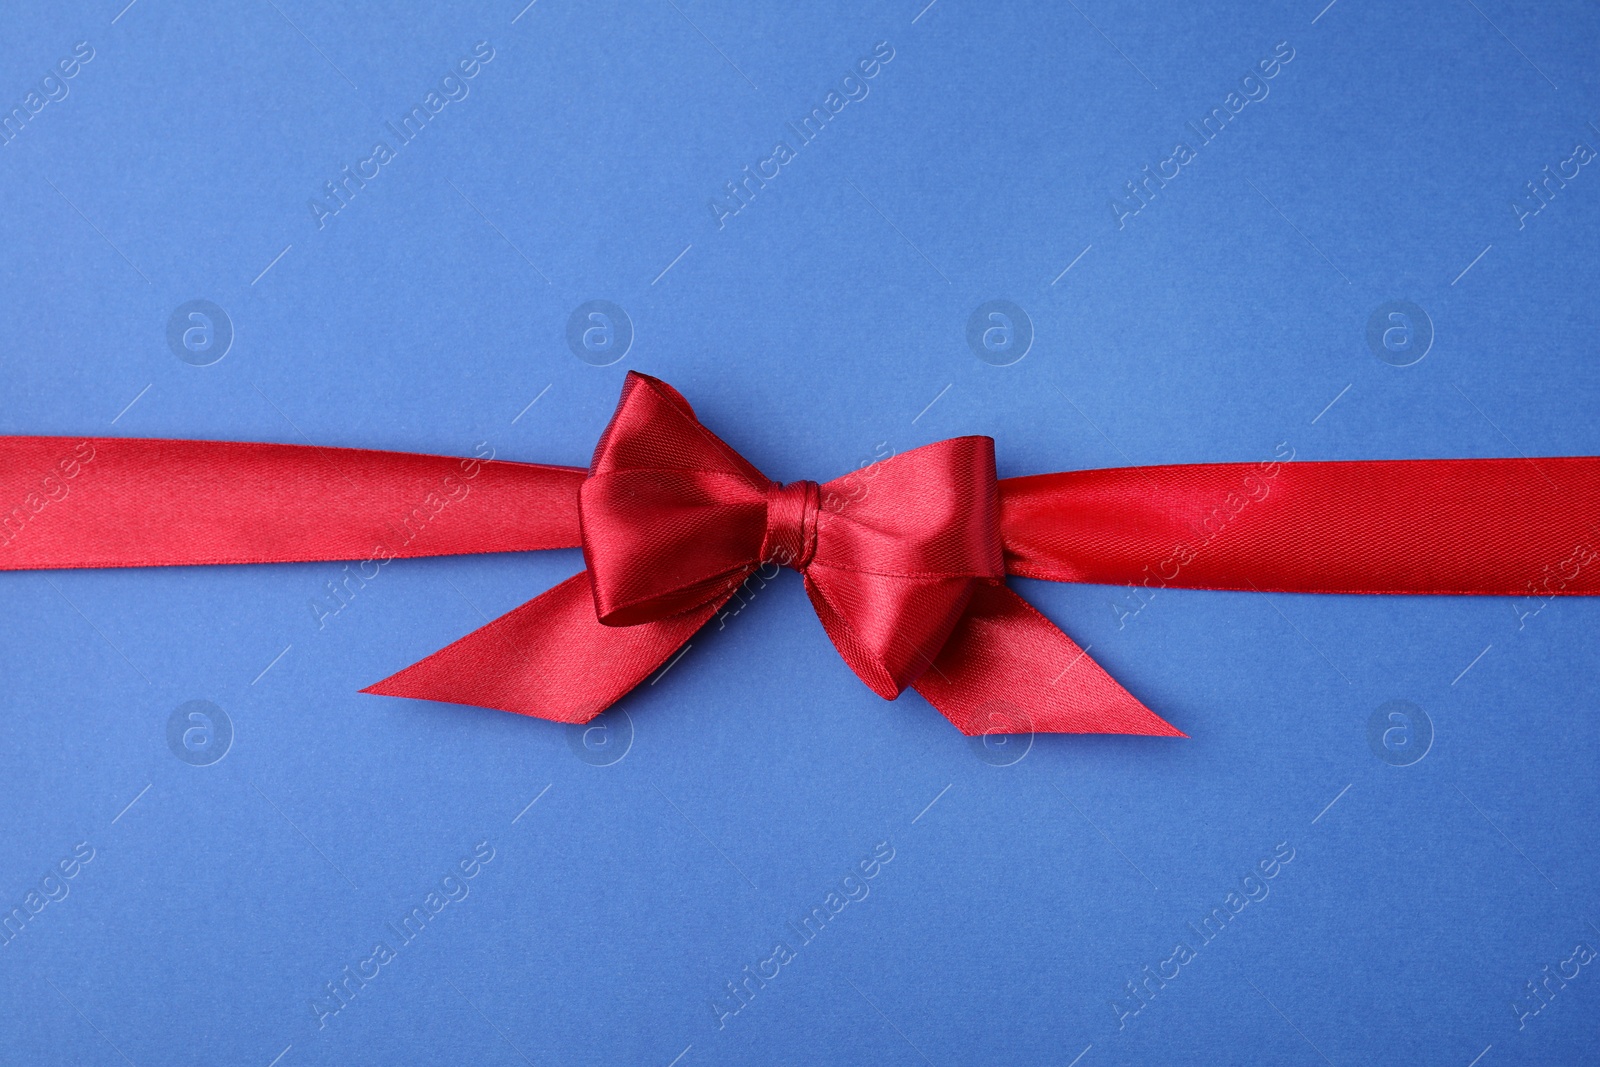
x=904, y=569
x=904, y=563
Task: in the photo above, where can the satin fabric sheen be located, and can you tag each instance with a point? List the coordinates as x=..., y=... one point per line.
x=904, y=562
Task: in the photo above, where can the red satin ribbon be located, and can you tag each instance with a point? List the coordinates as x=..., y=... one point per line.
x=904, y=562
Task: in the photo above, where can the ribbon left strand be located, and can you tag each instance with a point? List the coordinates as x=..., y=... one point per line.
x=140, y=502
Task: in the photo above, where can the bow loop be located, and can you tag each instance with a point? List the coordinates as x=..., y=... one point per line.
x=900, y=546
x=932, y=511
x=655, y=428
x=672, y=518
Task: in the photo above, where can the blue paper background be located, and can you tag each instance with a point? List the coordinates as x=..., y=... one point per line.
x=820, y=326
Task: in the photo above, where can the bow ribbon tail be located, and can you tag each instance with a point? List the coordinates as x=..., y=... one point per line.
x=550, y=658
x=1008, y=669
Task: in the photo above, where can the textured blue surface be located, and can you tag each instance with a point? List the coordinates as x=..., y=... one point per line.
x=820, y=325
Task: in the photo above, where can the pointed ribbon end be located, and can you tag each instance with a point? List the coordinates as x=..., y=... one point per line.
x=1050, y=685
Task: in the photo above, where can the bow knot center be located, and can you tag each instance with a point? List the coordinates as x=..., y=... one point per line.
x=791, y=536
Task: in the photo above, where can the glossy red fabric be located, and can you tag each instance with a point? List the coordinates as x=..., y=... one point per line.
x=1487, y=526
x=139, y=502
x=904, y=562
